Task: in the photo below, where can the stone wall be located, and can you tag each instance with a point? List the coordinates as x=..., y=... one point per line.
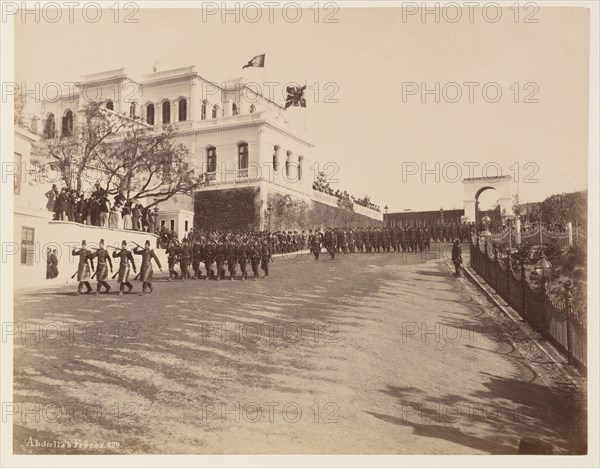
x=62, y=236
x=292, y=213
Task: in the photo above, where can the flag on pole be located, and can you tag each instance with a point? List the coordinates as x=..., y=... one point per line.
x=258, y=61
x=295, y=96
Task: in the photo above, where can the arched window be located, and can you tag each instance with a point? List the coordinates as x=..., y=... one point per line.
x=49, y=126
x=300, y=159
x=182, y=110
x=234, y=109
x=150, y=114
x=132, y=109
x=287, y=163
x=110, y=105
x=67, y=124
x=203, y=112
x=166, y=112
x=211, y=159
x=215, y=111
x=243, y=156
x=275, y=160
x=252, y=109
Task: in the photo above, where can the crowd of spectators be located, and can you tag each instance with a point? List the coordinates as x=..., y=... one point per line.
x=343, y=195
x=99, y=210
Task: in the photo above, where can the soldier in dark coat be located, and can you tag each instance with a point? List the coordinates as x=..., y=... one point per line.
x=331, y=243
x=242, y=253
x=172, y=252
x=210, y=250
x=197, y=258
x=255, y=258
x=315, y=247
x=457, y=257
x=83, y=269
x=231, y=256
x=220, y=260
x=265, y=257
x=126, y=258
x=146, y=269
x=185, y=259
x=101, y=269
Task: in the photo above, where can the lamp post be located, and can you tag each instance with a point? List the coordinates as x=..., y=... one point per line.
x=486, y=234
x=543, y=268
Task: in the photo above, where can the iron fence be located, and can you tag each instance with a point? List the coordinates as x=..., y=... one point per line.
x=554, y=318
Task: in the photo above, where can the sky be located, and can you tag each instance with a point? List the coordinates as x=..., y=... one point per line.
x=366, y=72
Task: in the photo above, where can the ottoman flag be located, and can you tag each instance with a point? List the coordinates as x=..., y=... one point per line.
x=258, y=61
x=295, y=96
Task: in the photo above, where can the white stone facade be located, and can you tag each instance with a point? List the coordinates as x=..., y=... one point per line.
x=236, y=136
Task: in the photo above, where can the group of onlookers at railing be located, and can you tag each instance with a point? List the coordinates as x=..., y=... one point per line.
x=98, y=210
x=343, y=195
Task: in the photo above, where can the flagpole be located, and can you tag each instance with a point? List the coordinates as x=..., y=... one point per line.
x=305, y=111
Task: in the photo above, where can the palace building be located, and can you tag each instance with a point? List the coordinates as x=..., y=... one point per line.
x=259, y=167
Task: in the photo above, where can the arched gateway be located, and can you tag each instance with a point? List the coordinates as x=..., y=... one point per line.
x=474, y=187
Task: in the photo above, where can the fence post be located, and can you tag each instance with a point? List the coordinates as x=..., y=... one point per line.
x=496, y=268
x=569, y=310
x=523, y=284
x=508, y=273
x=570, y=233
x=485, y=260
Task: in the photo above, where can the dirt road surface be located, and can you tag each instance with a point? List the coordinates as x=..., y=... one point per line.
x=368, y=354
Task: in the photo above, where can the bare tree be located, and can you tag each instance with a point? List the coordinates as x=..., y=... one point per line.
x=74, y=155
x=147, y=163
x=125, y=156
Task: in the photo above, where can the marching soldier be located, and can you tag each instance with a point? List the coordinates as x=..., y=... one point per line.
x=395, y=239
x=101, y=270
x=83, y=268
x=210, y=250
x=197, y=252
x=185, y=259
x=125, y=257
x=172, y=257
x=265, y=256
x=220, y=260
x=368, y=240
x=230, y=254
x=331, y=242
x=242, y=256
x=316, y=245
x=146, y=269
x=255, y=259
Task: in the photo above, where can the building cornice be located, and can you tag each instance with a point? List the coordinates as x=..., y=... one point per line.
x=226, y=127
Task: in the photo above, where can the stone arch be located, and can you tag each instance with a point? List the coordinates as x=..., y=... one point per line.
x=474, y=187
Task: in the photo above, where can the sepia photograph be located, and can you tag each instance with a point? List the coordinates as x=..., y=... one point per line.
x=299, y=233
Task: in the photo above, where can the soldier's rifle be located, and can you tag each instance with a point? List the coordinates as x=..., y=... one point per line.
x=121, y=248
x=92, y=265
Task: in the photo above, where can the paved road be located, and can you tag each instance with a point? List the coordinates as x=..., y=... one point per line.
x=379, y=353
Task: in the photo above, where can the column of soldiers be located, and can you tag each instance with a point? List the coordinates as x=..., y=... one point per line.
x=220, y=254
x=377, y=240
